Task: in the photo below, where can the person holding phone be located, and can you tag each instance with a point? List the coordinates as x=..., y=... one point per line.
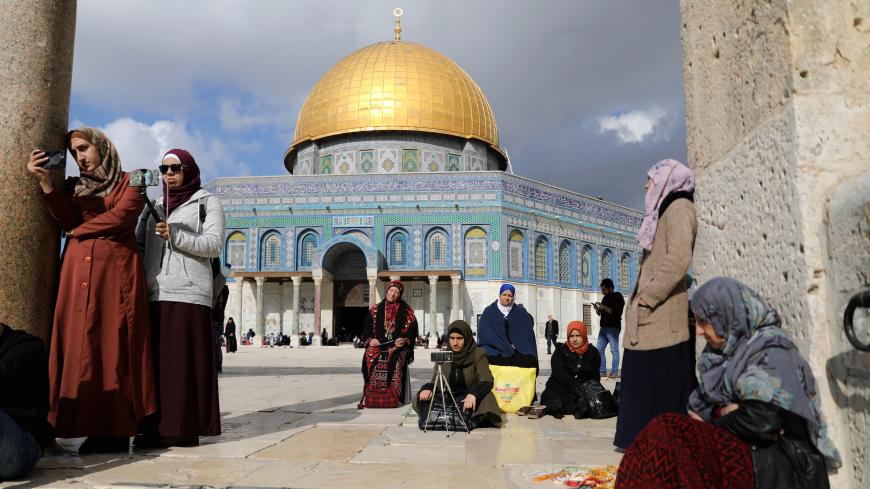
x=100, y=372
x=178, y=265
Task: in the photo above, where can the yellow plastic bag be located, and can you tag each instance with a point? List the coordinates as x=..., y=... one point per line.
x=514, y=387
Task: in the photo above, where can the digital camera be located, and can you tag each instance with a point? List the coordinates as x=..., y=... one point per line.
x=144, y=178
x=442, y=356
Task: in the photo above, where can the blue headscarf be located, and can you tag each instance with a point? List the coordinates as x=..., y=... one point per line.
x=505, y=287
x=758, y=362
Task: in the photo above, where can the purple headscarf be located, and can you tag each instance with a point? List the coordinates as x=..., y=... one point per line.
x=174, y=197
x=667, y=176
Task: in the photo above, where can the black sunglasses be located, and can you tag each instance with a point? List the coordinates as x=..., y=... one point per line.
x=176, y=168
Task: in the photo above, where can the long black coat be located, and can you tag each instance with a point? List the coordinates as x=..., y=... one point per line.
x=569, y=371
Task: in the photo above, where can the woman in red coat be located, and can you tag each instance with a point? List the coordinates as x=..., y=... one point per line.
x=100, y=356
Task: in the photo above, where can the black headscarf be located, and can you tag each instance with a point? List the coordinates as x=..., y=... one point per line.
x=465, y=356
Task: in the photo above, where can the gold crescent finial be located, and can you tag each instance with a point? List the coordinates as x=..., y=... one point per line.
x=398, y=12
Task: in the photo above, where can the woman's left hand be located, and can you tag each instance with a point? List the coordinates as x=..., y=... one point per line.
x=728, y=408
x=163, y=230
x=400, y=342
x=470, y=402
x=695, y=416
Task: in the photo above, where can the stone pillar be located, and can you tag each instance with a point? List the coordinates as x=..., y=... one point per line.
x=259, y=326
x=236, y=291
x=777, y=93
x=455, y=301
x=37, y=38
x=432, y=324
x=286, y=314
x=317, y=289
x=373, y=291
x=294, y=336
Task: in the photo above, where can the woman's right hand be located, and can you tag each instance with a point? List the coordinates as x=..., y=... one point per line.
x=425, y=395
x=374, y=343
x=34, y=166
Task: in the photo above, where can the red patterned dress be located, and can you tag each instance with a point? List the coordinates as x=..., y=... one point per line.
x=385, y=367
x=676, y=451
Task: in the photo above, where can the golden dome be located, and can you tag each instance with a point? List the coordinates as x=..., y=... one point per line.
x=396, y=86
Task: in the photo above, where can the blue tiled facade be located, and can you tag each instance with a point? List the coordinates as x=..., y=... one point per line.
x=368, y=209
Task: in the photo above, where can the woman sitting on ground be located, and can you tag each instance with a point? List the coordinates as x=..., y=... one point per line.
x=573, y=363
x=469, y=378
x=754, y=420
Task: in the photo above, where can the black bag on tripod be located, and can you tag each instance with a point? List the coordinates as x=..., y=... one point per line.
x=440, y=420
x=599, y=400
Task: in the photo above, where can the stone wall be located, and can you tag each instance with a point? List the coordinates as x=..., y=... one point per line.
x=778, y=113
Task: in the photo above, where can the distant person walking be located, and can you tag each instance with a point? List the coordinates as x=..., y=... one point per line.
x=230, y=336
x=178, y=253
x=610, y=309
x=658, y=366
x=100, y=369
x=551, y=332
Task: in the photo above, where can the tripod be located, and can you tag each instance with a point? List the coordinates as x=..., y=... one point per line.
x=441, y=385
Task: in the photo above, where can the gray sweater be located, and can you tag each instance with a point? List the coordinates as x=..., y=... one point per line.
x=179, y=270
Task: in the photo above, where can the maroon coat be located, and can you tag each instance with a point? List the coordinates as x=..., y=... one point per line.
x=100, y=370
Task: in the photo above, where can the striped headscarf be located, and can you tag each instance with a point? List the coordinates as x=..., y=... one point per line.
x=102, y=181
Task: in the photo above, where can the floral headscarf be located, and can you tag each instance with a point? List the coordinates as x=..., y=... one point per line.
x=102, y=180
x=668, y=176
x=758, y=362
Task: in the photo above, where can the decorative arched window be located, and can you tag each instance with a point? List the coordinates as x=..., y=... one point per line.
x=475, y=252
x=306, y=249
x=586, y=267
x=235, y=254
x=436, y=249
x=541, y=258
x=398, y=249
x=565, y=262
x=606, y=263
x=515, y=254
x=270, y=251
x=623, y=272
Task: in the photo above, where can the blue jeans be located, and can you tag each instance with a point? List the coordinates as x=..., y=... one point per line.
x=605, y=336
x=550, y=341
x=19, y=450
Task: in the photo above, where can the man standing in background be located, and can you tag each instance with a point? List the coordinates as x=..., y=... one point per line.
x=551, y=331
x=610, y=309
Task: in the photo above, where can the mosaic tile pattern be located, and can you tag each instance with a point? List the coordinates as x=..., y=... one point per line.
x=534, y=192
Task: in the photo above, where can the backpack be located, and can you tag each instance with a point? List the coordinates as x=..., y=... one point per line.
x=219, y=281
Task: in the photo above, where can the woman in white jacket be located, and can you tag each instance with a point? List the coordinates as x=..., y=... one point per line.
x=178, y=252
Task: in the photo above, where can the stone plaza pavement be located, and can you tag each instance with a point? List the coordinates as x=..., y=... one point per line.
x=289, y=419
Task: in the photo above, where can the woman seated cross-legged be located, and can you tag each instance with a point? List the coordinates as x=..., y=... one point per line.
x=573, y=363
x=469, y=378
x=754, y=419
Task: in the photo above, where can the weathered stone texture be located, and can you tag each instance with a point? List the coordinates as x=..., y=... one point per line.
x=778, y=112
x=36, y=59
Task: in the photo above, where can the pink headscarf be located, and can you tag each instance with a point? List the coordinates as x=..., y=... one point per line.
x=667, y=176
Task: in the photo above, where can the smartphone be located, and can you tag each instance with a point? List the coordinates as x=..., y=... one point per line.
x=56, y=160
x=144, y=178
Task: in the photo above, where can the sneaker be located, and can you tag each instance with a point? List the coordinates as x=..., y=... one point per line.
x=613, y=376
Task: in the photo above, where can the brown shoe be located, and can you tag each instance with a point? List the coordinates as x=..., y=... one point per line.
x=537, y=412
x=523, y=410
x=612, y=376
